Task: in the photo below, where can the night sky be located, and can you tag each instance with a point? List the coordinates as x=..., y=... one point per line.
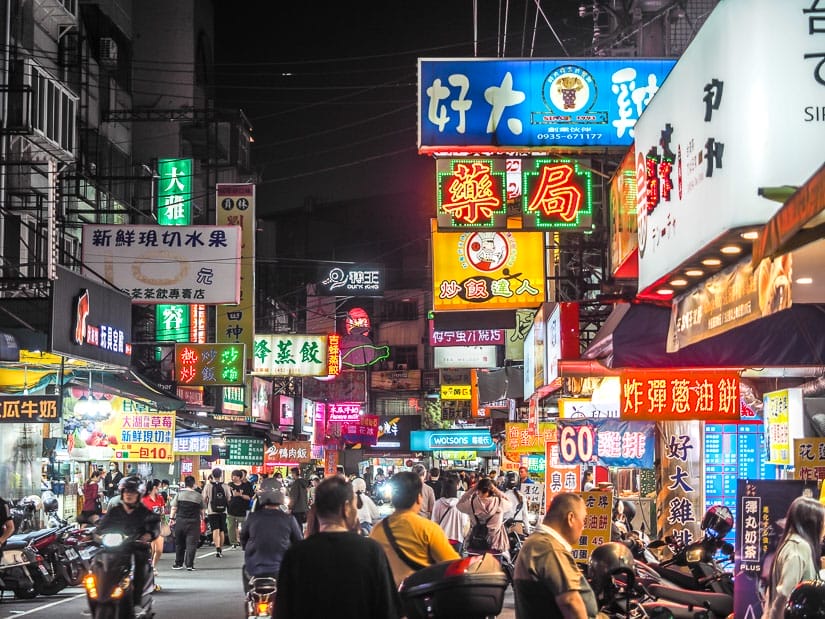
x=330, y=88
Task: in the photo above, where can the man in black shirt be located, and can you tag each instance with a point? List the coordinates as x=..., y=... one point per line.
x=6, y=520
x=241, y=494
x=266, y=535
x=358, y=583
x=112, y=479
x=130, y=517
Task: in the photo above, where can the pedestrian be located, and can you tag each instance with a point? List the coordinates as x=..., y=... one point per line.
x=523, y=477
x=186, y=515
x=518, y=506
x=587, y=482
x=546, y=581
x=111, y=480
x=357, y=582
x=485, y=504
x=426, y=492
x=92, y=500
x=153, y=500
x=367, y=511
x=435, y=482
x=265, y=537
x=7, y=521
x=798, y=556
x=164, y=490
x=447, y=515
x=298, y=496
x=216, y=498
x=410, y=541
x=241, y=494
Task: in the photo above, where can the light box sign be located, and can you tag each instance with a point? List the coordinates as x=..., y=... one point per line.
x=363, y=280
x=443, y=440
x=174, y=192
x=606, y=442
x=679, y=395
x=209, y=364
x=702, y=153
x=455, y=357
x=500, y=105
x=518, y=440
x=557, y=195
x=144, y=437
x=261, y=401
x=487, y=270
x=29, y=409
x=290, y=355
x=90, y=321
x=345, y=412
x=192, y=444
x=286, y=411
x=471, y=337
x=167, y=264
x=471, y=194
x=456, y=392
x=784, y=413
x=307, y=416
x=623, y=232
x=244, y=451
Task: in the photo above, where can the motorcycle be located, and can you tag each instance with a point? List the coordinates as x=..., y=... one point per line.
x=24, y=514
x=260, y=597
x=23, y=567
x=109, y=583
x=515, y=537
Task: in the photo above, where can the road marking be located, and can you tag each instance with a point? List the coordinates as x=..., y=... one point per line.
x=17, y=613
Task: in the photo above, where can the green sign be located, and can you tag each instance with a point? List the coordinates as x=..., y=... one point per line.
x=244, y=451
x=174, y=192
x=209, y=364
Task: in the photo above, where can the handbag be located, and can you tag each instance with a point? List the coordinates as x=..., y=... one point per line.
x=203, y=526
x=165, y=527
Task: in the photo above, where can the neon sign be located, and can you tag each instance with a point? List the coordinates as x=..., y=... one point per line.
x=209, y=364
x=471, y=193
x=333, y=354
x=557, y=195
x=106, y=337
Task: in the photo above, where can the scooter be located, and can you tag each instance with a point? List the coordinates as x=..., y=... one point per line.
x=110, y=582
x=23, y=513
x=260, y=598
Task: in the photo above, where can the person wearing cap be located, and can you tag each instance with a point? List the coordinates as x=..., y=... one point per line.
x=266, y=535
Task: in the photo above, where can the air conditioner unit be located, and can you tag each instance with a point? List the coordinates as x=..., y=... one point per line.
x=108, y=51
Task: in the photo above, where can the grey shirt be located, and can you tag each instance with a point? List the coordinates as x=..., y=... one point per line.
x=188, y=504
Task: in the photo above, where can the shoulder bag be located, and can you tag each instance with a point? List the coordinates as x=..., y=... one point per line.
x=411, y=563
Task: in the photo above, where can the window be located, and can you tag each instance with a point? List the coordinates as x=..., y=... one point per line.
x=399, y=310
x=53, y=109
x=405, y=357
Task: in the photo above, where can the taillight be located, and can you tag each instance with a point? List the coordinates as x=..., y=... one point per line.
x=459, y=567
x=43, y=542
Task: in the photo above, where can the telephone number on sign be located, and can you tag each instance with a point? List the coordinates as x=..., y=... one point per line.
x=571, y=137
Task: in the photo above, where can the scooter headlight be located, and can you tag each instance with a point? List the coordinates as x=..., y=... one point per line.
x=263, y=609
x=90, y=585
x=112, y=540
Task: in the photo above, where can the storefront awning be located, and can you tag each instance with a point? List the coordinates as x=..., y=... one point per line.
x=130, y=385
x=635, y=335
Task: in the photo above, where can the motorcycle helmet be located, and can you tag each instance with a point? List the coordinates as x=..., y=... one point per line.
x=606, y=561
x=807, y=601
x=511, y=480
x=718, y=521
x=133, y=484
x=50, y=503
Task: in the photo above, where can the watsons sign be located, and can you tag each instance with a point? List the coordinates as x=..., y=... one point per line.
x=428, y=440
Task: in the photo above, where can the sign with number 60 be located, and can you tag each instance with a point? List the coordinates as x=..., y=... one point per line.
x=577, y=444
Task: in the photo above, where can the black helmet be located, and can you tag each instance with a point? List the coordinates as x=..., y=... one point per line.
x=50, y=504
x=510, y=479
x=718, y=521
x=606, y=561
x=807, y=601
x=133, y=484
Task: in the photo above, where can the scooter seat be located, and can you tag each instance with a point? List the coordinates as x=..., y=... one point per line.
x=15, y=544
x=717, y=603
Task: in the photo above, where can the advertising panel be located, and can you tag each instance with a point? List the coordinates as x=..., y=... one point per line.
x=783, y=414
x=467, y=357
x=697, y=142
x=681, y=469
x=471, y=337
x=659, y=395
x=192, y=444
x=307, y=416
x=288, y=452
x=244, y=451
x=157, y=264
x=174, y=192
x=606, y=442
x=471, y=194
x=346, y=280
x=236, y=207
x=395, y=380
x=394, y=432
x=487, y=270
x=90, y=321
x=29, y=409
x=290, y=355
x=518, y=440
x=443, y=440
x=733, y=297
x=499, y=105
x=286, y=411
x=623, y=233
x=209, y=364
x=261, y=403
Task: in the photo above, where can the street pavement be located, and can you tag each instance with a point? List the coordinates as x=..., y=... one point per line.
x=213, y=591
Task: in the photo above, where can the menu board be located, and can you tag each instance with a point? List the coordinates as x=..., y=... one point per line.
x=244, y=451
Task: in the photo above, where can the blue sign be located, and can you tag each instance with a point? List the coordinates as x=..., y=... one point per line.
x=442, y=440
x=527, y=103
x=606, y=442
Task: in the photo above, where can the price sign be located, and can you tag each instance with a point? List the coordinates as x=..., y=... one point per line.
x=245, y=451
x=577, y=444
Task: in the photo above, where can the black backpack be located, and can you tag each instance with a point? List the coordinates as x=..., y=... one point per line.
x=477, y=540
x=218, y=501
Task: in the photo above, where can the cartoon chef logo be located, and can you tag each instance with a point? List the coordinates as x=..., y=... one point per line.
x=569, y=89
x=486, y=251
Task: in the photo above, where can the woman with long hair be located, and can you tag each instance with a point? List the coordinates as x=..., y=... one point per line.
x=367, y=511
x=92, y=507
x=154, y=501
x=486, y=504
x=453, y=522
x=798, y=556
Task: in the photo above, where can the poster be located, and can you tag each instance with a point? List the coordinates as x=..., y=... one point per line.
x=606, y=442
x=809, y=459
x=596, y=529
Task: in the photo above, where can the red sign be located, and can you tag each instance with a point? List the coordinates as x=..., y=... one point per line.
x=333, y=354
x=471, y=193
x=557, y=195
x=668, y=395
x=330, y=462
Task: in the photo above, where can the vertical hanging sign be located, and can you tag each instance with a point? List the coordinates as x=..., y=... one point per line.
x=236, y=207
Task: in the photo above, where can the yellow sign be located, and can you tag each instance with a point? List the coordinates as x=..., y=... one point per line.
x=518, y=440
x=596, y=529
x=487, y=270
x=456, y=392
x=809, y=458
x=783, y=413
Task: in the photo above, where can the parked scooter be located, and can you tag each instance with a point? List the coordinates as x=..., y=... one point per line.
x=24, y=513
x=260, y=597
x=110, y=582
x=24, y=569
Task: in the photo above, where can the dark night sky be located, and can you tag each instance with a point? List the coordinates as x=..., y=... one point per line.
x=330, y=88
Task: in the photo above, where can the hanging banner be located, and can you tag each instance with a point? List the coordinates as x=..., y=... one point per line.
x=680, y=503
x=761, y=509
x=518, y=440
x=331, y=462
x=606, y=442
x=662, y=395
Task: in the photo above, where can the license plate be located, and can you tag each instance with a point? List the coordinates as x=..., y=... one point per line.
x=87, y=553
x=43, y=570
x=71, y=554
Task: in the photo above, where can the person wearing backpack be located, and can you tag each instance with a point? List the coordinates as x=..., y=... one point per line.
x=446, y=514
x=485, y=504
x=216, y=495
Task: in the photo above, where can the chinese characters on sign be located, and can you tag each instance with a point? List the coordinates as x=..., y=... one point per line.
x=596, y=529
x=346, y=412
x=606, y=442
x=209, y=364
x=174, y=192
x=145, y=437
x=681, y=465
x=809, y=458
x=244, y=451
x=352, y=280
x=29, y=409
x=470, y=193
x=518, y=440
x=558, y=195
x=456, y=392
x=485, y=337
x=290, y=355
x=193, y=444
x=290, y=452
x=659, y=395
